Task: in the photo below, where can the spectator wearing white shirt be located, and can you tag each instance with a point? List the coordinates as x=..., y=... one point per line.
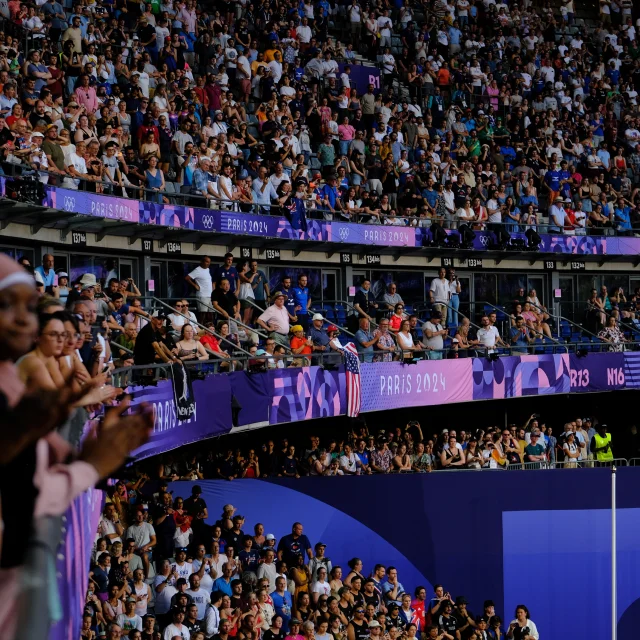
x=321, y=587
x=488, y=335
x=200, y=279
x=349, y=461
x=439, y=292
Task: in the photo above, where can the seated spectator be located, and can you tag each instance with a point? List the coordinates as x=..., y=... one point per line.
x=301, y=346
x=181, y=316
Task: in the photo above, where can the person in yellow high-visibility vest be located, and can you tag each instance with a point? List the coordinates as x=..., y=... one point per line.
x=601, y=444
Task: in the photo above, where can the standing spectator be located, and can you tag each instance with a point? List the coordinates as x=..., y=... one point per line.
x=200, y=279
x=365, y=340
x=228, y=271
x=433, y=336
x=392, y=297
x=145, y=537
x=282, y=601
x=439, y=292
x=364, y=302
x=302, y=301
x=275, y=320
x=260, y=285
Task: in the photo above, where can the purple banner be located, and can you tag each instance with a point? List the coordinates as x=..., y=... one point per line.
x=73, y=562
x=377, y=235
x=390, y=385
x=212, y=416
x=362, y=76
x=272, y=226
x=516, y=376
x=598, y=372
x=92, y=204
x=306, y=393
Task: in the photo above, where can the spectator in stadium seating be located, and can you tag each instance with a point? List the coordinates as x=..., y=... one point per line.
x=188, y=348
x=301, y=346
x=392, y=297
x=178, y=319
x=200, y=280
x=385, y=342
x=488, y=335
x=126, y=339
x=382, y=457
x=275, y=320
x=225, y=302
x=228, y=271
x=364, y=302
x=47, y=272
x=365, y=340
x=150, y=346
x=260, y=285
x=520, y=337
x=439, y=293
x=433, y=334
x=302, y=300
x=522, y=626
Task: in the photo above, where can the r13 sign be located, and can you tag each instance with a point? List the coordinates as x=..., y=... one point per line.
x=272, y=254
x=174, y=247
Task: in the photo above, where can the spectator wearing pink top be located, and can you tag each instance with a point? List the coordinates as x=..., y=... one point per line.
x=86, y=95
x=346, y=134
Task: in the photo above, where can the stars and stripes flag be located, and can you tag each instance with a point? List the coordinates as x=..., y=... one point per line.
x=354, y=389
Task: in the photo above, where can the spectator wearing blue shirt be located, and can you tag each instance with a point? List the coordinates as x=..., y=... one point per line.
x=365, y=340
x=223, y=583
x=622, y=215
x=282, y=601
x=226, y=271
x=293, y=545
x=117, y=319
x=260, y=285
x=520, y=338
x=552, y=181
x=249, y=558
x=604, y=156
x=454, y=38
x=303, y=301
x=290, y=302
x=46, y=270
x=329, y=196
x=263, y=190
x=392, y=589
x=565, y=179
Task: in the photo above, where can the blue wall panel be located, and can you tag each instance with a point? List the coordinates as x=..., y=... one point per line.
x=537, y=537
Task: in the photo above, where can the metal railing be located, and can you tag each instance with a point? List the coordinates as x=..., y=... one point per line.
x=176, y=197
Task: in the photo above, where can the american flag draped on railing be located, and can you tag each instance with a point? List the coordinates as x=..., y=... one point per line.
x=354, y=390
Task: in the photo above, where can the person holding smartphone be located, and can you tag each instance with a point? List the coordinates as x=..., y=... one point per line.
x=454, y=298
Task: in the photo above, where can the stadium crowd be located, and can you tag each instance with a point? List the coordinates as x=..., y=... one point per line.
x=46, y=397
x=240, y=323
x=580, y=442
x=220, y=581
x=499, y=116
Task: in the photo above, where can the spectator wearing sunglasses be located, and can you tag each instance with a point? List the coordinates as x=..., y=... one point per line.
x=178, y=319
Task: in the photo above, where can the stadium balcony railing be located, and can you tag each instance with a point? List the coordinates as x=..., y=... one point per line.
x=21, y=174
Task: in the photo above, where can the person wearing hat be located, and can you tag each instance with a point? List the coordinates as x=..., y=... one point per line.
x=275, y=319
x=177, y=628
x=464, y=618
x=301, y=346
x=150, y=346
x=433, y=336
x=129, y=620
x=318, y=334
